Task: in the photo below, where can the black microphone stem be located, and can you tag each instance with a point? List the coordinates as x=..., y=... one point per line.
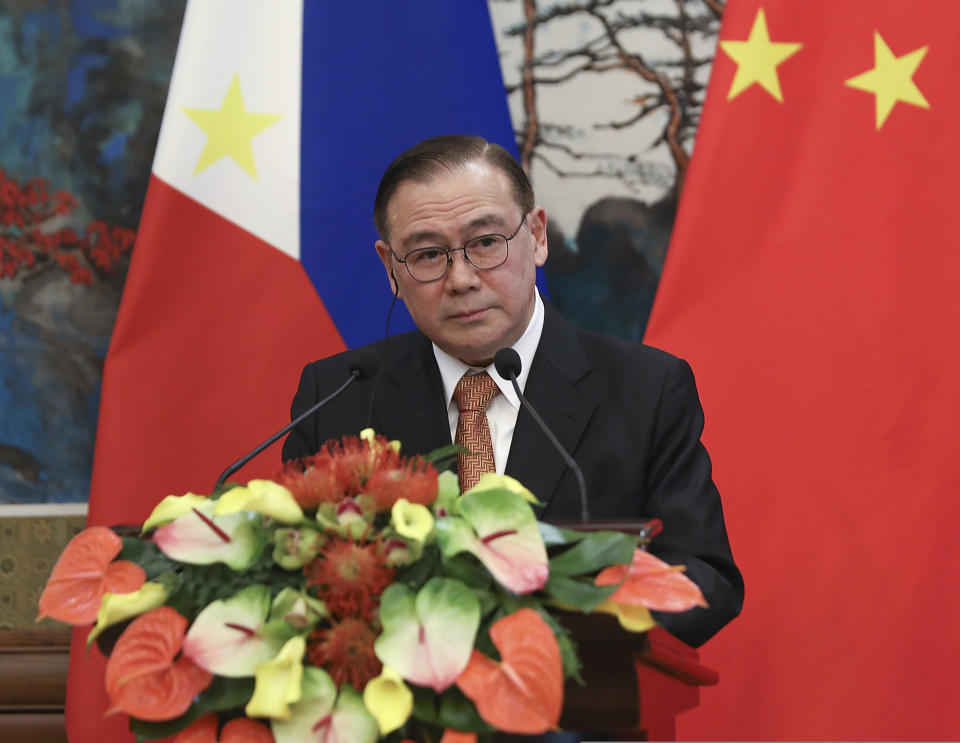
x=355, y=374
x=584, y=513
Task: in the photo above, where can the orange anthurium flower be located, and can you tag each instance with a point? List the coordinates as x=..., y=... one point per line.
x=456, y=736
x=523, y=693
x=238, y=730
x=651, y=582
x=142, y=677
x=245, y=730
x=201, y=730
x=83, y=573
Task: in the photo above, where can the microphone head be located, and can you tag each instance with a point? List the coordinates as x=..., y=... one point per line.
x=366, y=363
x=507, y=362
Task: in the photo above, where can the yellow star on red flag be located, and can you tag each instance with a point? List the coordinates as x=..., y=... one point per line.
x=757, y=59
x=891, y=79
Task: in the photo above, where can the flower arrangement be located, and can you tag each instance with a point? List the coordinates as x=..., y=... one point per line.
x=357, y=596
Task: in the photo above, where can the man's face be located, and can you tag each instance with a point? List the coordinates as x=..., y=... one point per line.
x=469, y=313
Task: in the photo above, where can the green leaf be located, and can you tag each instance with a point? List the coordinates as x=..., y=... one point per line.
x=569, y=657
x=225, y=694
x=488, y=599
x=577, y=593
x=445, y=457
x=420, y=571
x=597, y=550
x=193, y=587
x=554, y=536
x=459, y=713
x=467, y=568
x=148, y=556
x=425, y=705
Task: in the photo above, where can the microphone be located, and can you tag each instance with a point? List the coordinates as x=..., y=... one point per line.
x=365, y=365
x=508, y=365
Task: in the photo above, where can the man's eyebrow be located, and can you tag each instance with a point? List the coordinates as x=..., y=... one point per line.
x=474, y=228
x=423, y=236
x=486, y=222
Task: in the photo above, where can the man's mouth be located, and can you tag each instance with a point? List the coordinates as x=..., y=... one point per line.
x=468, y=315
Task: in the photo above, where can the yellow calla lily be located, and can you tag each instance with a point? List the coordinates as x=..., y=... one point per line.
x=411, y=520
x=117, y=607
x=493, y=481
x=262, y=496
x=370, y=436
x=278, y=682
x=173, y=507
x=631, y=618
x=389, y=700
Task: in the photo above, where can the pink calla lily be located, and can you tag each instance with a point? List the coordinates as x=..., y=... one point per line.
x=231, y=637
x=200, y=538
x=325, y=716
x=500, y=528
x=427, y=637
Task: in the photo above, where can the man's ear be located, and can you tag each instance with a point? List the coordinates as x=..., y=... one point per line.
x=383, y=251
x=537, y=220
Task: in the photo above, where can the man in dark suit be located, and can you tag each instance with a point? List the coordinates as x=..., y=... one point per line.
x=460, y=239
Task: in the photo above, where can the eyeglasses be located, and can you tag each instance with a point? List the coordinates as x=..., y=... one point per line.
x=483, y=253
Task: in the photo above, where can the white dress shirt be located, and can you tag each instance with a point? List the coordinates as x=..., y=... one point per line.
x=503, y=409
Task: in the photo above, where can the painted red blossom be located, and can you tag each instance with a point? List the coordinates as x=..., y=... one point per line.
x=33, y=234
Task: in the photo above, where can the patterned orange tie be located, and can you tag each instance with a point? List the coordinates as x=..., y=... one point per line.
x=472, y=395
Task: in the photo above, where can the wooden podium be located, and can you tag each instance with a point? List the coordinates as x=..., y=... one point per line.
x=635, y=684
x=33, y=675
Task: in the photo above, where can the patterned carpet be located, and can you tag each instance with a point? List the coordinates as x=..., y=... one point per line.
x=29, y=547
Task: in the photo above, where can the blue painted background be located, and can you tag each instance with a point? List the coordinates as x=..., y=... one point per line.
x=82, y=87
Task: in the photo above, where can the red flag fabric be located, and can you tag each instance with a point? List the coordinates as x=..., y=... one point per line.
x=812, y=282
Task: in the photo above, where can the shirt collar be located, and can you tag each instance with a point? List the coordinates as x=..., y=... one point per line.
x=451, y=369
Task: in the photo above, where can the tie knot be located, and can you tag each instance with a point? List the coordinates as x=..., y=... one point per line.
x=475, y=391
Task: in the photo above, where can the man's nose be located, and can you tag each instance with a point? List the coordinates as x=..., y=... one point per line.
x=460, y=271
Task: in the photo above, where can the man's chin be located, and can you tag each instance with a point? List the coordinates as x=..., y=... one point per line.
x=471, y=354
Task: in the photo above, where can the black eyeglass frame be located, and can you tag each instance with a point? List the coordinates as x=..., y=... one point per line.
x=450, y=251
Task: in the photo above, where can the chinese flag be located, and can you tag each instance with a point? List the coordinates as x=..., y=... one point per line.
x=813, y=282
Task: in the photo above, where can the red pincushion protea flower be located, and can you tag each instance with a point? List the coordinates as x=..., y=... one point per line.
x=340, y=470
x=417, y=482
x=312, y=481
x=357, y=461
x=345, y=651
x=350, y=576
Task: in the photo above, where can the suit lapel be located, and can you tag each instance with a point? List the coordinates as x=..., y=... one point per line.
x=552, y=389
x=409, y=405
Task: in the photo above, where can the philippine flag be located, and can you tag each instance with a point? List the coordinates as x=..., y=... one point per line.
x=255, y=251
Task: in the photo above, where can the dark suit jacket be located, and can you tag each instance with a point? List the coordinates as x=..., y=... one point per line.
x=628, y=413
